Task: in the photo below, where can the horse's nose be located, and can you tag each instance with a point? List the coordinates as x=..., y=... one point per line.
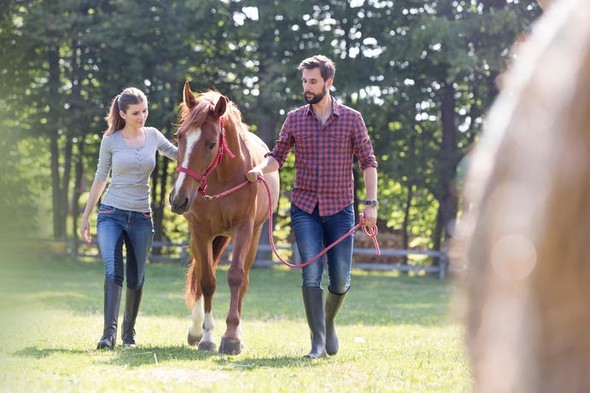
x=179, y=205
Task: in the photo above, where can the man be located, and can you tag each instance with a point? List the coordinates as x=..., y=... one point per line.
x=326, y=135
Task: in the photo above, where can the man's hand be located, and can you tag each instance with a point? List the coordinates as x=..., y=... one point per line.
x=370, y=214
x=253, y=174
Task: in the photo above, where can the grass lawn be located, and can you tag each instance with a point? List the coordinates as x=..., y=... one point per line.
x=395, y=332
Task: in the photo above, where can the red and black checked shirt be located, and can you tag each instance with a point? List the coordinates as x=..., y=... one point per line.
x=324, y=156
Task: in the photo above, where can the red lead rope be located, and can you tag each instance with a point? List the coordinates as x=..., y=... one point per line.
x=369, y=232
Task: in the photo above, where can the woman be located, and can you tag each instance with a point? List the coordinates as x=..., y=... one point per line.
x=127, y=151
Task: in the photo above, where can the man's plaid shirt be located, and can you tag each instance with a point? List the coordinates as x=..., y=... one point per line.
x=324, y=156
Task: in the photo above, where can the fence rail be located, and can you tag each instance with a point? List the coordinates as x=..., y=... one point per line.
x=263, y=258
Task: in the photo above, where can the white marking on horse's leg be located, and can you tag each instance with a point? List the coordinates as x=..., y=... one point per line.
x=197, y=317
x=208, y=326
x=191, y=140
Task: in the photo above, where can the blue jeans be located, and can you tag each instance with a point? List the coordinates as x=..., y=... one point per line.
x=313, y=233
x=116, y=227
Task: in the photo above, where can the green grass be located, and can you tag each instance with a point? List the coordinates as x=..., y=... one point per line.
x=395, y=335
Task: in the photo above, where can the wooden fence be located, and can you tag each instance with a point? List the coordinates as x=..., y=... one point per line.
x=263, y=258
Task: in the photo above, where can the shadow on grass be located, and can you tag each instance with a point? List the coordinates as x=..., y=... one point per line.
x=39, y=353
x=156, y=354
x=251, y=363
x=137, y=356
x=150, y=355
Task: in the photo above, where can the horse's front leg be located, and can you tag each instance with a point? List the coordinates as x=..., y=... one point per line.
x=201, y=284
x=202, y=324
x=236, y=276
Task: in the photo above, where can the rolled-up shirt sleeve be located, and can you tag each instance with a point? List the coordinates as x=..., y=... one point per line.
x=285, y=142
x=363, y=148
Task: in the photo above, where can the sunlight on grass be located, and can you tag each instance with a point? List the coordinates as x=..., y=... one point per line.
x=395, y=335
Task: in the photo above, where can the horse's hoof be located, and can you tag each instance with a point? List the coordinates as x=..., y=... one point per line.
x=207, y=346
x=230, y=347
x=193, y=340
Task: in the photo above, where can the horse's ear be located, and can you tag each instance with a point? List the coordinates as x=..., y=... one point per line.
x=188, y=96
x=220, y=107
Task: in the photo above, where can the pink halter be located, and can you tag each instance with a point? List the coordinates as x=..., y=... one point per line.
x=203, y=178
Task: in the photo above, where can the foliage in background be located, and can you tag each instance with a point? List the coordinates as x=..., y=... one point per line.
x=422, y=73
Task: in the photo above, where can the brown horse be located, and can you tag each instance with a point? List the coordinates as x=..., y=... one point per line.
x=210, y=134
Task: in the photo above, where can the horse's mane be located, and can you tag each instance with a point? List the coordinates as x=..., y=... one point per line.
x=191, y=118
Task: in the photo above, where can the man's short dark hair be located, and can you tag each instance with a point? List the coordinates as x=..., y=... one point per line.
x=326, y=66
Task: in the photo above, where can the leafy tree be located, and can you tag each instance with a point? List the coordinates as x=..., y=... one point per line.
x=422, y=72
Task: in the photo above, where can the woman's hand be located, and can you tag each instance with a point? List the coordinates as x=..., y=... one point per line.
x=85, y=230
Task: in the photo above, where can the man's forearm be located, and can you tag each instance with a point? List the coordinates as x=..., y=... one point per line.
x=370, y=177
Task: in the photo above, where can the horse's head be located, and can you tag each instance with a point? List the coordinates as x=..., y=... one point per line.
x=201, y=144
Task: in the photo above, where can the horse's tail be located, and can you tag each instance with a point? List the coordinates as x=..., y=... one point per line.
x=219, y=245
x=191, y=288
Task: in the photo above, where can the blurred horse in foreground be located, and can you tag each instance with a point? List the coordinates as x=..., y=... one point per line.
x=526, y=240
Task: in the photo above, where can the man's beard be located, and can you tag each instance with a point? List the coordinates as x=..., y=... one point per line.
x=315, y=97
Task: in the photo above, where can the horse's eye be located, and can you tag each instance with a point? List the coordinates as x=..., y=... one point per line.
x=211, y=145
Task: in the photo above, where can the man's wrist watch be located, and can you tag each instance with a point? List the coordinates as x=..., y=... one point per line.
x=371, y=202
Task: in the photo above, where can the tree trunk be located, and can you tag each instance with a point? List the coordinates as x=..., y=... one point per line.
x=446, y=195
x=55, y=181
x=159, y=192
x=448, y=199
x=406, y=223
x=53, y=85
x=357, y=186
x=437, y=236
x=156, y=210
x=265, y=114
x=78, y=175
x=65, y=183
x=77, y=62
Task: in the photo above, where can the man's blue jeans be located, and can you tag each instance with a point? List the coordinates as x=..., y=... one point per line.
x=313, y=233
x=116, y=227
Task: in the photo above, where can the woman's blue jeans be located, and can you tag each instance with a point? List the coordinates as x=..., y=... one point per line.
x=116, y=227
x=313, y=233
